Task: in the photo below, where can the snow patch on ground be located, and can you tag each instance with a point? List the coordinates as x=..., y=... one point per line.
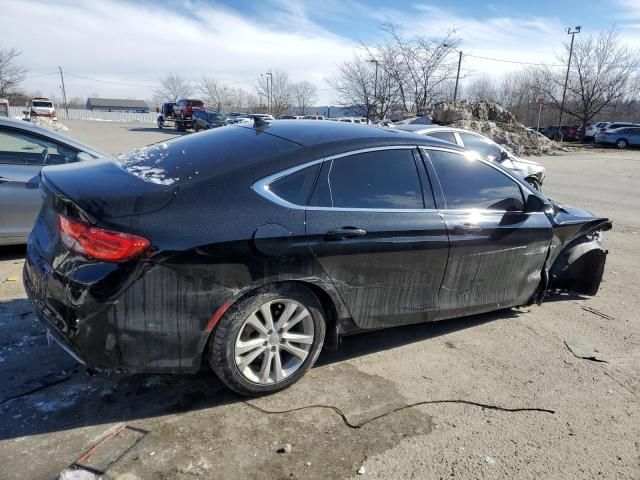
x=50, y=124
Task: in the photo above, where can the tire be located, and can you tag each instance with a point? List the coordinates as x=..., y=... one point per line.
x=250, y=372
x=534, y=182
x=622, y=144
x=196, y=127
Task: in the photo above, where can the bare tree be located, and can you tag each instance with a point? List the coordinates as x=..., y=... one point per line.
x=304, y=95
x=172, y=88
x=217, y=95
x=11, y=75
x=482, y=87
x=421, y=67
x=279, y=91
x=602, y=74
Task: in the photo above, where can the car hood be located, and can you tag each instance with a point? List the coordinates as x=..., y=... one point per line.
x=569, y=223
x=524, y=168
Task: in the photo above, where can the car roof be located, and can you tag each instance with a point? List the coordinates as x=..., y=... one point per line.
x=29, y=127
x=310, y=133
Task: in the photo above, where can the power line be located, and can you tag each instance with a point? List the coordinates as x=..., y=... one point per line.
x=534, y=63
x=111, y=82
x=42, y=75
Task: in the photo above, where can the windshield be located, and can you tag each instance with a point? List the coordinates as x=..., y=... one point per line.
x=216, y=116
x=195, y=103
x=42, y=104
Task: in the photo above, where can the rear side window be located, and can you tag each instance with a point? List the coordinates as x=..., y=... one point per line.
x=472, y=184
x=194, y=103
x=446, y=136
x=384, y=179
x=296, y=187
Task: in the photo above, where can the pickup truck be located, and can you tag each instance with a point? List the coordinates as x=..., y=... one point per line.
x=184, y=108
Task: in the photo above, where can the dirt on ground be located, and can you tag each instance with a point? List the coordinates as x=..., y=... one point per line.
x=549, y=392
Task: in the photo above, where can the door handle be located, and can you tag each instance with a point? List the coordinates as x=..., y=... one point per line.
x=467, y=228
x=345, y=232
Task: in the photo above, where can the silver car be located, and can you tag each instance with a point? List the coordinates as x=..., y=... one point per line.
x=532, y=172
x=620, y=137
x=24, y=150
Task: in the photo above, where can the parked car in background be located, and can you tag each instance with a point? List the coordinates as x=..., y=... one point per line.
x=569, y=133
x=313, y=117
x=263, y=116
x=185, y=107
x=24, y=149
x=620, y=137
x=42, y=107
x=592, y=129
x=352, y=119
x=4, y=107
x=386, y=123
x=532, y=172
x=205, y=119
x=314, y=230
x=610, y=126
x=289, y=117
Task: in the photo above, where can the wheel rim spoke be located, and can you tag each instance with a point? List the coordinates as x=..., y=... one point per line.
x=243, y=347
x=295, y=320
x=266, y=315
x=255, y=322
x=286, y=315
x=295, y=351
x=246, y=360
x=298, y=338
x=277, y=367
x=265, y=369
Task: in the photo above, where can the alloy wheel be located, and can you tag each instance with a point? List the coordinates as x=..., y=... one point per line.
x=274, y=341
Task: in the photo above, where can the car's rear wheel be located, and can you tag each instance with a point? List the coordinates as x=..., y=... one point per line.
x=622, y=143
x=268, y=340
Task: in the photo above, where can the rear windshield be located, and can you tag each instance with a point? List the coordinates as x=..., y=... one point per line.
x=216, y=116
x=42, y=104
x=193, y=157
x=194, y=103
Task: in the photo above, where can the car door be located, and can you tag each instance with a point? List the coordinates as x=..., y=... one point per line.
x=497, y=250
x=22, y=155
x=634, y=136
x=373, y=227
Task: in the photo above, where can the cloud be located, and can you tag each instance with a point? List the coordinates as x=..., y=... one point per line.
x=140, y=43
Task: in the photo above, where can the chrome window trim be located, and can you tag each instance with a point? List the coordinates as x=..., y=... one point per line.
x=261, y=187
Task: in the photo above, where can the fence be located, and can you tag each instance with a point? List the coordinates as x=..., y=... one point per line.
x=78, y=114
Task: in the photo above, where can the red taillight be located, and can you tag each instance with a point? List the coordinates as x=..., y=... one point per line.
x=100, y=243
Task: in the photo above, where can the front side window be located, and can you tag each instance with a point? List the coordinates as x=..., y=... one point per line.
x=472, y=184
x=487, y=149
x=383, y=179
x=21, y=148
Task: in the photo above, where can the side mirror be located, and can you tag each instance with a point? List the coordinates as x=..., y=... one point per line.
x=535, y=204
x=503, y=155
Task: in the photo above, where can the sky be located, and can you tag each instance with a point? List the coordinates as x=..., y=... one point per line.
x=133, y=44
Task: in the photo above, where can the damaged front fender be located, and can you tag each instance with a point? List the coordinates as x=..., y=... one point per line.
x=577, y=258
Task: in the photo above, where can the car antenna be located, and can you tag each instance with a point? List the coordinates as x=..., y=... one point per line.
x=260, y=122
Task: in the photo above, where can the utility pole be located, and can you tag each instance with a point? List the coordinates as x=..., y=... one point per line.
x=375, y=88
x=566, y=78
x=269, y=90
x=455, y=90
x=64, y=93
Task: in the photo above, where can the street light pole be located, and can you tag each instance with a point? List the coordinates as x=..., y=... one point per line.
x=375, y=88
x=269, y=90
x=566, y=78
x=455, y=90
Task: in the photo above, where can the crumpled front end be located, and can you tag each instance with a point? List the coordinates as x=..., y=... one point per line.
x=577, y=257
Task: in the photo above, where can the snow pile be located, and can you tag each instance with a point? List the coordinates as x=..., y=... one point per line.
x=46, y=122
x=495, y=122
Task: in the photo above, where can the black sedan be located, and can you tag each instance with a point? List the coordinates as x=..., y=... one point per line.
x=248, y=248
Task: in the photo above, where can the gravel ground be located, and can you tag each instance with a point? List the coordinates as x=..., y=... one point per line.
x=490, y=396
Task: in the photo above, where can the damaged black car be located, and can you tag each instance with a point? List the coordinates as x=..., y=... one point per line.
x=248, y=248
